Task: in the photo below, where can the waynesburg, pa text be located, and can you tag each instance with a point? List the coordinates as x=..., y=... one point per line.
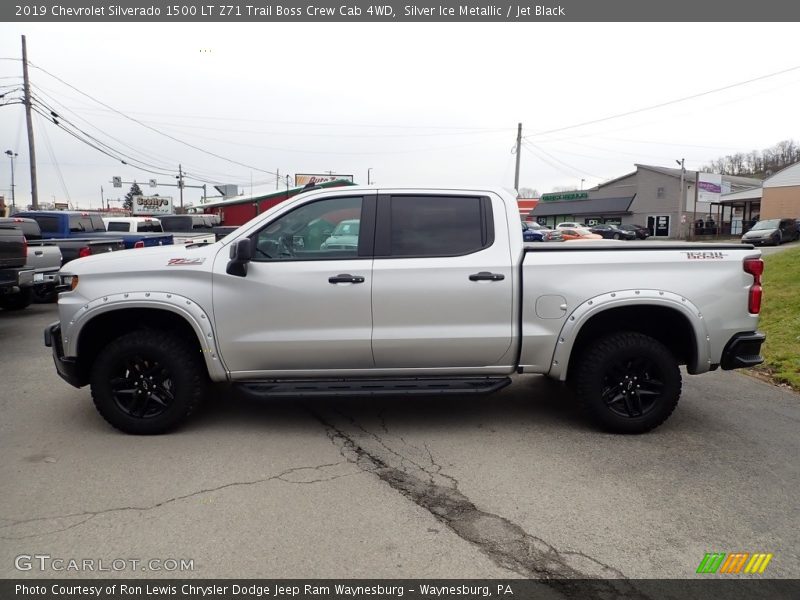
x=259, y=591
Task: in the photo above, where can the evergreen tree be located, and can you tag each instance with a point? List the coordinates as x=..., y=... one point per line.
x=135, y=190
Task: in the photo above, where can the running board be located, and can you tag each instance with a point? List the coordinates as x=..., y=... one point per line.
x=373, y=387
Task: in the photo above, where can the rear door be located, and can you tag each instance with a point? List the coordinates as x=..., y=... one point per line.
x=442, y=282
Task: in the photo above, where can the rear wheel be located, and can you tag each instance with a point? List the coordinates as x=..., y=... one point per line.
x=16, y=301
x=147, y=382
x=616, y=236
x=628, y=382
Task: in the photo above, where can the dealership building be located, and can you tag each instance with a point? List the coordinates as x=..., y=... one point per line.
x=650, y=196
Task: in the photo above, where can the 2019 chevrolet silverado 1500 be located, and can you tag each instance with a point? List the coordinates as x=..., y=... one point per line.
x=438, y=294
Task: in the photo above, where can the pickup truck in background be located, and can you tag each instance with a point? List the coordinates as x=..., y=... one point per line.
x=133, y=224
x=73, y=224
x=15, y=278
x=43, y=257
x=189, y=229
x=438, y=294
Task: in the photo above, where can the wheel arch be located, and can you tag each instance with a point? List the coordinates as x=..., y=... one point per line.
x=95, y=326
x=669, y=318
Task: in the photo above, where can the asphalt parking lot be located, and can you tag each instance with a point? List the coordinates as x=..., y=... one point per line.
x=512, y=485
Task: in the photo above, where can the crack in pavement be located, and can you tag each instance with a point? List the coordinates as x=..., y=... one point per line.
x=504, y=542
x=86, y=516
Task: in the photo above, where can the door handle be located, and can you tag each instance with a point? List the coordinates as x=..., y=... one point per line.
x=346, y=278
x=486, y=276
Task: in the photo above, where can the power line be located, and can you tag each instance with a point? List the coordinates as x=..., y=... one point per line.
x=152, y=128
x=662, y=104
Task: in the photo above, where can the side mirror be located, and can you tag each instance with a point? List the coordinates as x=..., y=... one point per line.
x=241, y=254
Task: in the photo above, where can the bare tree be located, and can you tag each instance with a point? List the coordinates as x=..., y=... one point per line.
x=526, y=192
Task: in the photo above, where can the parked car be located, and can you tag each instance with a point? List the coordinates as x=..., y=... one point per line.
x=15, y=278
x=133, y=224
x=570, y=225
x=612, y=232
x=44, y=257
x=534, y=232
x=343, y=237
x=189, y=229
x=440, y=296
x=579, y=234
x=772, y=231
x=641, y=231
x=74, y=224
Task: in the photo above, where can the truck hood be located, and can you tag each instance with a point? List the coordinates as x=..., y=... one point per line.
x=156, y=258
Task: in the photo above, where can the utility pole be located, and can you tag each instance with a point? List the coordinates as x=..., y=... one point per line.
x=277, y=178
x=180, y=183
x=519, y=151
x=12, y=156
x=32, y=150
x=678, y=224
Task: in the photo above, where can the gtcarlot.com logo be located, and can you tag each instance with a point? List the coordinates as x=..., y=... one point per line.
x=46, y=562
x=734, y=562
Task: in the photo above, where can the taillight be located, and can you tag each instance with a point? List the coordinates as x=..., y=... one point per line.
x=85, y=251
x=139, y=244
x=755, y=267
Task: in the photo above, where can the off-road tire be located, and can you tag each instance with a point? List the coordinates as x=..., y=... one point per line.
x=606, y=377
x=153, y=373
x=17, y=301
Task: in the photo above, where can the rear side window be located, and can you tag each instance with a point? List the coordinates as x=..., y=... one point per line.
x=428, y=226
x=47, y=224
x=118, y=226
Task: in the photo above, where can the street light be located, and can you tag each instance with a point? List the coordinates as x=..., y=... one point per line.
x=368, y=170
x=12, y=156
x=582, y=180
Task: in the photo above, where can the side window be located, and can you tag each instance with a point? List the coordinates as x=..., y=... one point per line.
x=439, y=225
x=326, y=229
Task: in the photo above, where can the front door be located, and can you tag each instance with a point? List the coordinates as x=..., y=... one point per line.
x=442, y=291
x=305, y=302
x=659, y=225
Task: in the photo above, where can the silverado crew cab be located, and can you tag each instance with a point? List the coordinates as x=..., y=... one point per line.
x=438, y=295
x=72, y=224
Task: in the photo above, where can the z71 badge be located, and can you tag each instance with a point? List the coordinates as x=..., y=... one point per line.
x=174, y=262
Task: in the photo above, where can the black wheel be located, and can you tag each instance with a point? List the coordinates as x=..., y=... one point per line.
x=147, y=382
x=16, y=301
x=616, y=236
x=44, y=294
x=628, y=382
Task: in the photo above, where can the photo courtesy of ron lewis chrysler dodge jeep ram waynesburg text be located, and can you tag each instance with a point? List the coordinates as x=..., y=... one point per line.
x=437, y=293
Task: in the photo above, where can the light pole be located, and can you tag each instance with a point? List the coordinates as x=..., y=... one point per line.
x=368, y=170
x=582, y=180
x=12, y=156
x=680, y=199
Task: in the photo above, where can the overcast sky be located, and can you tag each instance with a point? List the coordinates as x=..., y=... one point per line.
x=416, y=103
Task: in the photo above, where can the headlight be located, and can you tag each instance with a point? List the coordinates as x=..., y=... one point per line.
x=68, y=281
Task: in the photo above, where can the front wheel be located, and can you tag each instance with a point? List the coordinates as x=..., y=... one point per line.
x=629, y=382
x=616, y=236
x=17, y=300
x=147, y=382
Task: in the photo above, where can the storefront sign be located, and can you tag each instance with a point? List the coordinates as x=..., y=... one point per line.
x=564, y=196
x=152, y=205
x=306, y=178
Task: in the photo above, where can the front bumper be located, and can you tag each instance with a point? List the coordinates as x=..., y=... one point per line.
x=67, y=368
x=743, y=350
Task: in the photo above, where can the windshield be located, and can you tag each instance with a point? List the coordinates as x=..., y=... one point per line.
x=771, y=224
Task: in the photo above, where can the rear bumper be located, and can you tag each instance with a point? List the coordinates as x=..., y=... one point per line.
x=743, y=350
x=67, y=368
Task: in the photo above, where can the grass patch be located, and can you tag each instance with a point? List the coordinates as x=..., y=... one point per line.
x=780, y=317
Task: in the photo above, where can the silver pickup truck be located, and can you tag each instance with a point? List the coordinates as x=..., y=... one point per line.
x=438, y=294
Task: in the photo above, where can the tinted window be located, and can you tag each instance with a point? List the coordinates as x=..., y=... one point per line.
x=176, y=223
x=150, y=227
x=118, y=226
x=320, y=230
x=46, y=224
x=437, y=225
